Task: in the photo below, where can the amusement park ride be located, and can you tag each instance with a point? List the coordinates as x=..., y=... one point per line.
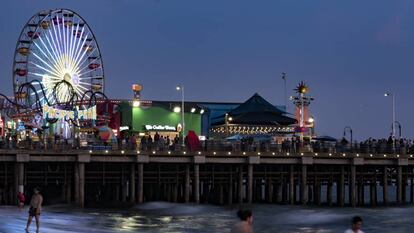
x=58, y=73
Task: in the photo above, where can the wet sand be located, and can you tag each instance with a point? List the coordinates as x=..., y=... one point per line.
x=169, y=217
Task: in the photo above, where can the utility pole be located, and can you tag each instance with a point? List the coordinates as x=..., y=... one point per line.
x=284, y=81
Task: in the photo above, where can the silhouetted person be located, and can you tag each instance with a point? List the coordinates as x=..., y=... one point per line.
x=144, y=143
x=356, y=225
x=21, y=198
x=35, y=208
x=149, y=142
x=156, y=137
x=168, y=141
x=246, y=222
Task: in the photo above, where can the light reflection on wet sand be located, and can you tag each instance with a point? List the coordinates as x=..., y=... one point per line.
x=167, y=217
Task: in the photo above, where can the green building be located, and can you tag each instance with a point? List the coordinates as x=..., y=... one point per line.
x=160, y=116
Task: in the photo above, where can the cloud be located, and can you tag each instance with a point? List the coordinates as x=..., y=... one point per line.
x=391, y=31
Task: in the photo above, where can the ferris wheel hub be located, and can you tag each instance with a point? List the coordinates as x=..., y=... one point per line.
x=67, y=78
x=73, y=79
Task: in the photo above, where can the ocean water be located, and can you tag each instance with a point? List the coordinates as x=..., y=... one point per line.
x=171, y=218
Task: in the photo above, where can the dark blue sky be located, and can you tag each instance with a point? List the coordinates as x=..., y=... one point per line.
x=349, y=52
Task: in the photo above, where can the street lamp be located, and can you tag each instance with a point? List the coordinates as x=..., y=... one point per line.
x=135, y=103
x=311, y=120
x=387, y=94
x=181, y=88
x=311, y=125
x=177, y=109
x=284, y=81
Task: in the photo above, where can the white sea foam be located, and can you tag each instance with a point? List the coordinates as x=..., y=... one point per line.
x=155, y=205
x=170, y=217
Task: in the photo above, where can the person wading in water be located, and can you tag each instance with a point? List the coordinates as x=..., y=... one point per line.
x=34, y=210
x=356, y=225
x=21, y=199
x=246, y=223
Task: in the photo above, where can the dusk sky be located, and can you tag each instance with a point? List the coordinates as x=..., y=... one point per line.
x=348, y=52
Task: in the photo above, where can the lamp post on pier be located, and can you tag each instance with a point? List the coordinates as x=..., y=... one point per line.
x=285, y=90
x=181, y=88
x=388, y=94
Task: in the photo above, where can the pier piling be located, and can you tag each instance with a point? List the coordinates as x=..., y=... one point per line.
x=197, y=183
x=220, y=179
x=303, y=186
x=250, y=183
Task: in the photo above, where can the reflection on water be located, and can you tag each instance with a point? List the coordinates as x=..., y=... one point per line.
x=167, y=217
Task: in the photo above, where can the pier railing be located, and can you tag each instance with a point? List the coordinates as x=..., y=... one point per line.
x=220, y=146
x=216, y=154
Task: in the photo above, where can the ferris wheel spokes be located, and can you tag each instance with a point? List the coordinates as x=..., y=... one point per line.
x=57, y=47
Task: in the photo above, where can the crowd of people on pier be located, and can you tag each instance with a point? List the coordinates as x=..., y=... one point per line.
x=160, y=142
x=368, y=146
x=148, y=142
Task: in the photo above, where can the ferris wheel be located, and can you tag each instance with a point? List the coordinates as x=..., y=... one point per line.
x=57, y=61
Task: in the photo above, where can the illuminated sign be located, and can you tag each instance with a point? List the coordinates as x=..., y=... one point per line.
x=160, y=128
x=54, y=113
x=20, y=126
x=122, y=128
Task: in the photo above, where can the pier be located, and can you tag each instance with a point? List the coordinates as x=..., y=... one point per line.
x=87, y=177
